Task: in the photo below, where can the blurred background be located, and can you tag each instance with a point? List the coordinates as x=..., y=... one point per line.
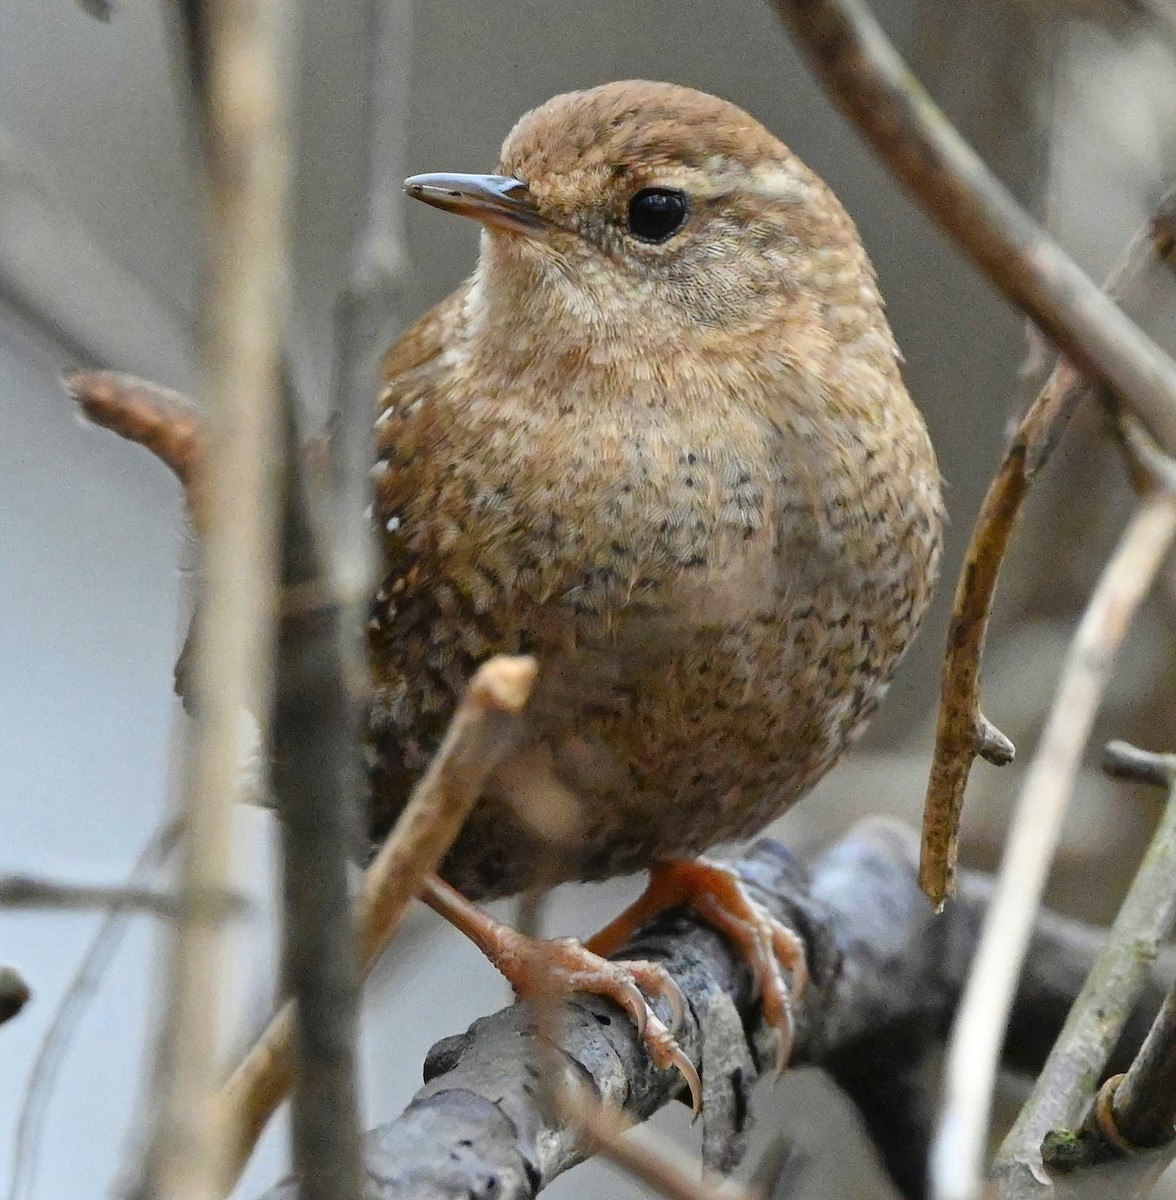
x=1072, y=101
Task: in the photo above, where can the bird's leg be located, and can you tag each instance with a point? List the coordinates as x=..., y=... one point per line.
x=538, y=968
x=717, y=894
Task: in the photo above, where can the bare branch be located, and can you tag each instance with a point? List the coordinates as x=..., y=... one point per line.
x=479, y=735
x=317, y=782
x=1141, y=1106
x=246, y=271
x=974, y=1049
x=323, y=678
x=1131, y=1121
x=865, y=76
x=886, y=974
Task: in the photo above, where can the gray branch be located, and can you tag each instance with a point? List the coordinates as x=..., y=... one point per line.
x=886, y=975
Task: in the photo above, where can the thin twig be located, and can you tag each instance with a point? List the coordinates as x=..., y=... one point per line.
x=963, y=732
x=314, y=730
x=23, y=891
x=974, y=1049
x=243, y=314
x=1143, y=1101
x=1121, y=760
x=51, y=1052
x=323, y=680
x=167, y=423
x=640, y=1153
x=480, y=734
x=1070, y=1076
x=865, y=75
x=370, y=308
x=317, y=781
x=1132, y=1118
x=867, y=78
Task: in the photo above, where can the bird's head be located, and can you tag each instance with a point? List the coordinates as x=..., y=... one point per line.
x=649, y=208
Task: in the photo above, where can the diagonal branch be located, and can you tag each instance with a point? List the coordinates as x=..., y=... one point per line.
x=1080, y=1055
x=479, y=734
x=865, y=75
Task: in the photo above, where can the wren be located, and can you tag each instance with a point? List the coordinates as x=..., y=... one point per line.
x=658, y=440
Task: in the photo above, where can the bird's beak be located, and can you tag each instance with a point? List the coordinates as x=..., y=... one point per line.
x=496, y=200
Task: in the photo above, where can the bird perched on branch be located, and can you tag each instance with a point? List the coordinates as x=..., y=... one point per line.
x=659, y=441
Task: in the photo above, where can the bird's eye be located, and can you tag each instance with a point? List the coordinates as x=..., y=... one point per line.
x=656, y=214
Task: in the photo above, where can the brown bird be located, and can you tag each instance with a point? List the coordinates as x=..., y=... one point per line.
x=659, y=441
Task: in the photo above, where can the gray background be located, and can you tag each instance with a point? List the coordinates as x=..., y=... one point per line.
x=99, y=264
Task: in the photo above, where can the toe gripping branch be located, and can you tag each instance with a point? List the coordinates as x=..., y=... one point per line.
x=478, y=1079
x=884, y=972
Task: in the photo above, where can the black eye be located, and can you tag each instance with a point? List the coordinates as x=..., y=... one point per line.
x=656, y=214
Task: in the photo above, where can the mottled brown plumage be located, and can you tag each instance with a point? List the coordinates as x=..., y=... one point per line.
x=685, y=475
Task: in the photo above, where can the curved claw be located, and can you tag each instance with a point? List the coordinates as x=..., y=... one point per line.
x=656, y=981
x=628, y=995
x=668, y=1055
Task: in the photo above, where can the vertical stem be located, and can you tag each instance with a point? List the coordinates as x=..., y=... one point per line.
x=317, y=781
x=245, y=200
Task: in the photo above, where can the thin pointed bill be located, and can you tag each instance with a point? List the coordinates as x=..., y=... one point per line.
x=496, y=200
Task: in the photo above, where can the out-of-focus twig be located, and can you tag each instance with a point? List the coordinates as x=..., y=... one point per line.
x=977, y=49
x=1132, y=1120
x=315, y=739
x=1157, y=17
x=1068, y=1081
x=974, y=1049
x=1142, y=1103
x=1121, y=760
x=865, y=75
x=100, y=10
x=369, y=309
x=14, y=992
x=107, y=314
x=246, y=272
x=640, y=1153
x=50, y=1053
x=323, y=681
x=165, y=422
x=23, y=891
x=480, y=734
x=317, y=783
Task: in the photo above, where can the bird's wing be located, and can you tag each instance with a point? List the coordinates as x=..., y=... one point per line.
x=410, y=705
x=422, y=343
